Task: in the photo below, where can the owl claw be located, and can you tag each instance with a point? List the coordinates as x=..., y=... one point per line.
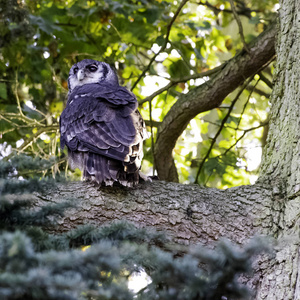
x=144, y=177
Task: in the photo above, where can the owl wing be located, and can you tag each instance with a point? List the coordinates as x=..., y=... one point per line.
x=104, y=120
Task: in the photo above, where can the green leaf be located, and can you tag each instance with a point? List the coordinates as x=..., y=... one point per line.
x=3, y=91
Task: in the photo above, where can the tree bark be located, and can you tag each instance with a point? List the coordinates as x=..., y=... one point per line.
x=189, y=213
x=281, y=159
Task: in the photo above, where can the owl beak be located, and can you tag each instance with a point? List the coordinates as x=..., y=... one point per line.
x=80, y=75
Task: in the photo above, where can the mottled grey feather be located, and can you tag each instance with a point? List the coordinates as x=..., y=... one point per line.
x=101, y=126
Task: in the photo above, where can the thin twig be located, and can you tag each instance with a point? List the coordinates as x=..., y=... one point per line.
x=239, y=23
x=245, y=105
x=30, y=122
x=32, y=139
x=163, y=47
x=266, y=80
x=245, y=131
x=243, y=11
x=221, y=126
x=179, y=80
x=18, y=99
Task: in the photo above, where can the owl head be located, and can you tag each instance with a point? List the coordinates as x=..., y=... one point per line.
x=91, y=71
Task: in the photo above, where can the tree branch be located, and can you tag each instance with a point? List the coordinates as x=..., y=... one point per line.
x=221, y=127
x=179, y=80
x=188, y=213
x=208, y=96
x=245, y=11
x=163, y=47
x=239, y=23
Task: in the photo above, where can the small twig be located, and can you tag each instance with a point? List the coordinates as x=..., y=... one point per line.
x=163, y=47
x=32, y=139
x=116, y=30
x=265, y=80
x=23, y=118
x=245, y=131
x=18, y=99
x=245, y=105
x=213, y=141
x=179, y=80
x=239, y=23
x=244, y=11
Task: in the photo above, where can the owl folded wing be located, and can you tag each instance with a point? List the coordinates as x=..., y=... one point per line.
x=96, y=125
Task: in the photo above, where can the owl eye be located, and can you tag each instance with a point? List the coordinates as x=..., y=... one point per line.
x=76, y=70
x=92, y=68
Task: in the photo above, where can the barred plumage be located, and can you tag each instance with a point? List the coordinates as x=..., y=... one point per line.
x=101, y=126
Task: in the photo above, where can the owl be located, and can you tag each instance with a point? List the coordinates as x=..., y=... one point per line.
x=101, y=126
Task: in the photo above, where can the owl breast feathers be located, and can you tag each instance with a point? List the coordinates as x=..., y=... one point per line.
x=103, y=131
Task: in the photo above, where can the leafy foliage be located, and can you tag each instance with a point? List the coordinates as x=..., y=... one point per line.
x=40, y=40
x=35, y=264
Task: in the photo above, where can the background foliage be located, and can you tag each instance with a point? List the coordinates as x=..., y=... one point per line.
x=40, y=40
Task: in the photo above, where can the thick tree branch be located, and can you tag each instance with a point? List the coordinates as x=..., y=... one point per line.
x=189, y=213
x=208, y=96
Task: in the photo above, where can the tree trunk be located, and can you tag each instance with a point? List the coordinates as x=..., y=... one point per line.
x=281, y=160
x=191, y=214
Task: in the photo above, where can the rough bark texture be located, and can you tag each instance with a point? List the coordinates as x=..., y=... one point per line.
x=208, y=96
x=281, y=161
x=189, y=213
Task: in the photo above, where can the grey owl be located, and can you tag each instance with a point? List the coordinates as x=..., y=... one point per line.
x=101, y=126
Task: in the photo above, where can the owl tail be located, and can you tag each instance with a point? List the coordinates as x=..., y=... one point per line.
x=102, y=169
